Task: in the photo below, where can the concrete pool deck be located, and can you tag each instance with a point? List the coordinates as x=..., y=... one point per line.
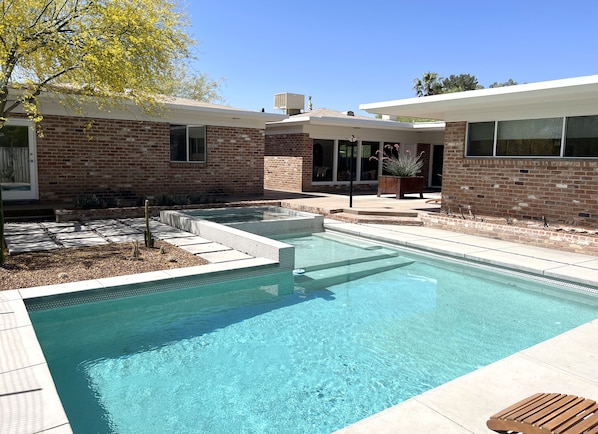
x=567, y=363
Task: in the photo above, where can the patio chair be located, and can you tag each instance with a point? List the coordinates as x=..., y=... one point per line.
x=547, y=413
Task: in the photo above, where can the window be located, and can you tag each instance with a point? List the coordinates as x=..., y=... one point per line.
x=369, y=165
x=188, y=143
x=480, y=139
x=530, y=137
x=534, y=138
x=581, y=136
x=14, y=157
x=347, y=161
x=323, y=160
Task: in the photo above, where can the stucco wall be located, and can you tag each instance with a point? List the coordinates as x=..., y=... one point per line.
x=121, y=155
x=562, y=190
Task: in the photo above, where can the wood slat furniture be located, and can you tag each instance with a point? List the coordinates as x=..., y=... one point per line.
x=543, y=413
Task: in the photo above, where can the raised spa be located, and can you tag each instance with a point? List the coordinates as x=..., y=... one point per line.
x=262, y=220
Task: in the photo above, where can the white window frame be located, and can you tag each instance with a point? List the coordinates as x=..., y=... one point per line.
x=494, y=147
x=188, y=145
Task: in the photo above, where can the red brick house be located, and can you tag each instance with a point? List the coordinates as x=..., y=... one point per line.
x=312, y=151
x=191, y=148
x=528, y=151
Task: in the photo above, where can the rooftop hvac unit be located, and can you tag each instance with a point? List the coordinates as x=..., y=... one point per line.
x=291, y=103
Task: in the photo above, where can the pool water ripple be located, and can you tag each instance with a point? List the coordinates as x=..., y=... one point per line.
x=247, y=360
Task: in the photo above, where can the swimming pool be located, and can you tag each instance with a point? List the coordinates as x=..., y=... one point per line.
x=366, y=327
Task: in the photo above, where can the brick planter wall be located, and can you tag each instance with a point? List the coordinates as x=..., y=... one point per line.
x=133, y=156
x=560, y=240
x=562, y=190
x=65, y=215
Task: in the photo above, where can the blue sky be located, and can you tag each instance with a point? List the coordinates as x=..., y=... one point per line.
x=346, y=53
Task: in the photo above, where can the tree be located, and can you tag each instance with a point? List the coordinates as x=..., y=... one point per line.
x=429, y=84
x=460, y=83
x=506, y=83
x=105, y=49
x=193, y=85
x=122, y=49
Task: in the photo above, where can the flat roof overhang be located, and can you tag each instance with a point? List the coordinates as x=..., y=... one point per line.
x=358, y=123
x=568, y=97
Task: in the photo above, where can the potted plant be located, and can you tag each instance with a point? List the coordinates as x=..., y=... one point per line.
x=402, y=169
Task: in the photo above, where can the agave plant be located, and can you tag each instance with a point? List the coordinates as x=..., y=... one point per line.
x=400, y=163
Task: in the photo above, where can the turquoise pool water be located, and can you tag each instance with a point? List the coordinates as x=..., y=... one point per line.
x=365, y=328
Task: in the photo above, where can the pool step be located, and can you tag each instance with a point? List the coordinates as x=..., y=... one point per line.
x=314, y=280
x=347, y=262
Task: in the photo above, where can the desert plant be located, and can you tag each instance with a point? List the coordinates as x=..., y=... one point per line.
x=397, y=163
x=135, y=250
x=149, y=241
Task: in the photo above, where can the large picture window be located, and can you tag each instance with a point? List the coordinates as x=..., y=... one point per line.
x=575, y=136
x=582, y=136
x=188, y=143
x=323, y=160
x=369, y=160
x=347, y=161
x=530, y=137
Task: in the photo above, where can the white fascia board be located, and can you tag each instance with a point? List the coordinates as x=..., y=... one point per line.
x=221, y=115
x=350, y=122
x=549, y=97
x=204, y=114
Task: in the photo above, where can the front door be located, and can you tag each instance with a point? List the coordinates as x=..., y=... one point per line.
x=18, y=166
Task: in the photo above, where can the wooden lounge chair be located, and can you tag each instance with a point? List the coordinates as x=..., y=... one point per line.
x=548, y=413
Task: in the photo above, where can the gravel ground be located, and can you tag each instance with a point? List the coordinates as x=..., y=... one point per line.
x=71, y=265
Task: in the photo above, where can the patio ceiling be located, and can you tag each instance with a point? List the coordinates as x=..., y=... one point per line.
x=568, y=97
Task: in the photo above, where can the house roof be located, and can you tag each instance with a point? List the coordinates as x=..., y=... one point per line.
x=175, y=110
x=204, y=107
x=327, y=117
x=567, y=97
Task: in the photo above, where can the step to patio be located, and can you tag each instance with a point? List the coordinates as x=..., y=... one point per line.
x=349, y=217
x=28, y=213
x=386, y=212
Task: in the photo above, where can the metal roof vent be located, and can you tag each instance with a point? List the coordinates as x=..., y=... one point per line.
x=291, y=103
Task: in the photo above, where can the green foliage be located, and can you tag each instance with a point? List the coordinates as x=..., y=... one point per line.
x=192, y=85
x=510, y=82
x=460, y=83
x=429, y=84
x=432, y=84
x=112, y=199
x=107, y=50
x=89, y=201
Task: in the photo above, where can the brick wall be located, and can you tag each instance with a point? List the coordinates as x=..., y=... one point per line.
x=288, y=162
x=133, y=156
x=560, y=240
x=562, y=190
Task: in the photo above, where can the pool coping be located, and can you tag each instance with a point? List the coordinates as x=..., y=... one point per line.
x=573, y=352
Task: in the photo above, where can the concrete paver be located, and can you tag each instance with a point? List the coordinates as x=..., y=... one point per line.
x=186, y=241
x=225, y=256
